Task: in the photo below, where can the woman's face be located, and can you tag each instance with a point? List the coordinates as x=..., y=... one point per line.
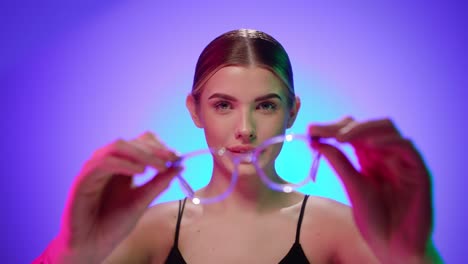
x=240, y=107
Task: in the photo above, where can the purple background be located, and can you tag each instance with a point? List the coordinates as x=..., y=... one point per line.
x=76, y=75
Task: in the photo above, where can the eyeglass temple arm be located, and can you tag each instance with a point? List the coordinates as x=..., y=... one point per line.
x=181, y=179
x=185, y=185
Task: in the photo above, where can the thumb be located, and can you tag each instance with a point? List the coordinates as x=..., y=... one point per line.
x=158, y=184
x=353, y=181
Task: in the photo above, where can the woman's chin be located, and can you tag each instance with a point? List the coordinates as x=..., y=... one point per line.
x=246, y=170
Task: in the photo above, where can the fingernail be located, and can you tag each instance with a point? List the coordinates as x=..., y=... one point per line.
x=315, y=144
x=315, y=138
x=174, y=156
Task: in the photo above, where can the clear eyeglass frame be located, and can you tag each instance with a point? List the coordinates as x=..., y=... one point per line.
x=253, y=158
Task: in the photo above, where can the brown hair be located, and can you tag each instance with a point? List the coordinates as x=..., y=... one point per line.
x=244, y=47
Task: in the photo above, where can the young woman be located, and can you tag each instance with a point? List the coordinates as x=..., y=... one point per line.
x=243, y=94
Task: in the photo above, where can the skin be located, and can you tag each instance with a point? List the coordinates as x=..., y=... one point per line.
x=231, y=115
x=233, y=111
x=381, y=227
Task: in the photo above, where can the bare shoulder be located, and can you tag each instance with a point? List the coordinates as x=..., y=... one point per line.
x=329, y=210
x=158, y=224
x=328, y=218
x=326, y=203
x=152, y=236
x=332, y=222
x=159, y=215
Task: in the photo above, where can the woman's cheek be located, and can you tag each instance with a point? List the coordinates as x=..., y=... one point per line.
x=217, y=135
x=271, y=128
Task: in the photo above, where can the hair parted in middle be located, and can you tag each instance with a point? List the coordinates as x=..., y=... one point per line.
x=244, y=47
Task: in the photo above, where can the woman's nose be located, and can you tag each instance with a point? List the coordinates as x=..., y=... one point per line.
x=246, y=128
x=245, y=135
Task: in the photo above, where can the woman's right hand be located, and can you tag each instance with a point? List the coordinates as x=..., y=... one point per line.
x=103, y=206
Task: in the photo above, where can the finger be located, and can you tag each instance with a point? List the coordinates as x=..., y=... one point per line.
x=158, y=157
x=329, y=130
x=402, y=148
x=351, y=178
x=152, y=139
x=124, y=149
x=378, y=165
x=392, y=162
x=379, y=168
x=361, y=190
x=115, y=165
x=159, y=151
x=361, y=131
x=158, y=184
x=367, y=161
x=97, y=172
x=134, y=153
x=396, y=172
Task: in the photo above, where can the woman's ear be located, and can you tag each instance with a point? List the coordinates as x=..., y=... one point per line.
x=294, y=111
x=192, y=107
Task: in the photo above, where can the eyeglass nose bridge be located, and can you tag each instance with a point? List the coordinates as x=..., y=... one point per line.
x=288, y=187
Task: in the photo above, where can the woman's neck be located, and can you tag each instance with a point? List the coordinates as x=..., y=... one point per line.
x=249, y=194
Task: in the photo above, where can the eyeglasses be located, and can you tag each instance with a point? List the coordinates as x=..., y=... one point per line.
x=284, y=163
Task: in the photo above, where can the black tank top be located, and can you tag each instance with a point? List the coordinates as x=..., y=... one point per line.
x=295, y=255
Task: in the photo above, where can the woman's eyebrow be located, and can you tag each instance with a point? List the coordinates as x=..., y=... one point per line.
x=222, y=96
x=231, y=98
x=268, y=96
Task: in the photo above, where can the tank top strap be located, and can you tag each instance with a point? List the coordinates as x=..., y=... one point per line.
x=301, y=216
x=179, y=220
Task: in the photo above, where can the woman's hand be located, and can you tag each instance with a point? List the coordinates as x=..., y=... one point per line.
x=390, y=193
x=103, y=206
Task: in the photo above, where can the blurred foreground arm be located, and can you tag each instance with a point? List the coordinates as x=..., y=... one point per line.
x=391, y=193
x=104, y=206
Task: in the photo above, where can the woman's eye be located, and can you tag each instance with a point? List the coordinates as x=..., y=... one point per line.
x=222, y=105
x=267, y=106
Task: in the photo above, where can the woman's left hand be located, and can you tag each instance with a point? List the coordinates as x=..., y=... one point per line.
x=390, y=193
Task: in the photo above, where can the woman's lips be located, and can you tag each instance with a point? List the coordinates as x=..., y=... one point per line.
x=244, y=152
x=241, y=149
